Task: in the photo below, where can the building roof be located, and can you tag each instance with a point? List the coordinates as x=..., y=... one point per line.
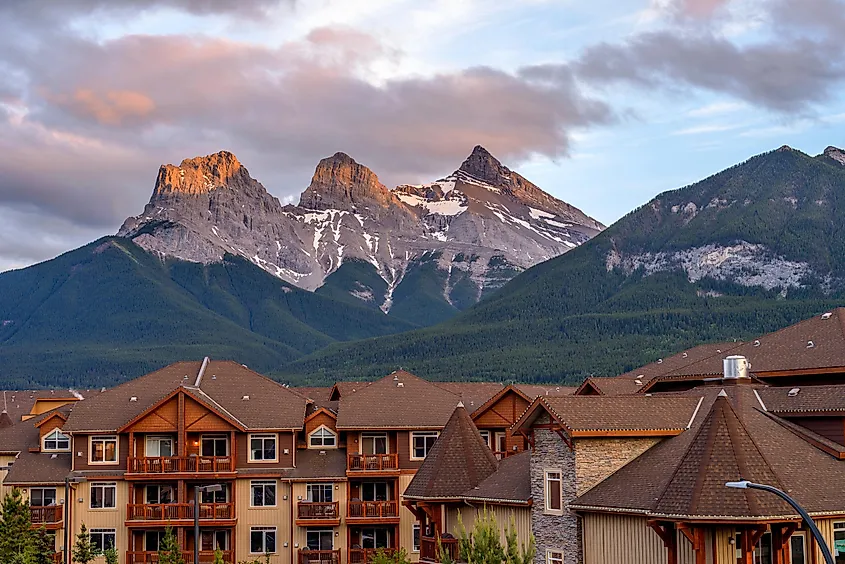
x=38, y=468
x=510, y=483
x=23, y=435
x=313, y=463
x=621, y=415
x=398, y=401
x=459, y=461
x=225, y=385
x=472, y=394
x=797, y=400
x=535, y=390
x=612, y=386
x=732, y=438
x=678, y=362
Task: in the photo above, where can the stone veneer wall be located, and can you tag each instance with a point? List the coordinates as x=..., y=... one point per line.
x=552, y=531
x=596, y=459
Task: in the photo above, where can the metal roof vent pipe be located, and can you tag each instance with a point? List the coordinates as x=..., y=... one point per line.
x=736, y=367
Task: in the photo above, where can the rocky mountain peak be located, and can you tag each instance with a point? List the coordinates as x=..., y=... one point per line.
x=339, y=182
x=482, y=165
x=836, y=154
x=199, y=175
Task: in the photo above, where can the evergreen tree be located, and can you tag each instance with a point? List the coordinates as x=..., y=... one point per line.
x=84, y=550
x=17, y=539
x=44, y=546
x=482, y=546
x=218, y=556
x=169, y=551
x=516, y=553
x=111, y=555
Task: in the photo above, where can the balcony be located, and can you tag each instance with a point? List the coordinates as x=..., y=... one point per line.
x=206, y=557
x=450, y=546
x=319, y=556
x=179, y=511
x=372, y=511
x=180, y=464
x=313, y=513
x=46, y=514
x=384, y=464
x=364, y=555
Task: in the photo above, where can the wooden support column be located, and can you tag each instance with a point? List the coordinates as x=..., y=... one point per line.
x=695, y=535
x=666, y=531
x=780, y=542
x=233, y=449
x=181, y=437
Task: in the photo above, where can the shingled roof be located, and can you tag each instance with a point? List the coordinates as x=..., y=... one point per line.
x=224, y=384
x=510, y=483
x=459, y=461
x=398, y=401
x=684, y=476
x=795, y=400
x=38, y=468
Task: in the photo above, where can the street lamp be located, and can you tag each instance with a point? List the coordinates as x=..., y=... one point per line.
x=197, y=490
x=745, y=484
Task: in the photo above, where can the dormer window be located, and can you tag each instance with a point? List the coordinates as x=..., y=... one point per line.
x=321, y=438
x=55, y=441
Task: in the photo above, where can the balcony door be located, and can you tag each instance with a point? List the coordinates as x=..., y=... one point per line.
x=40, y=497
x=374, y=443
x=160, y=493
x=319, y=493
x=377, y=537
x=375, y=491
x=152, y=540
x=159, y=446
x=212, y=540
x=319, y=539
x=214, y=445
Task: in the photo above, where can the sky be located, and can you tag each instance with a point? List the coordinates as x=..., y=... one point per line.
x=603, y=104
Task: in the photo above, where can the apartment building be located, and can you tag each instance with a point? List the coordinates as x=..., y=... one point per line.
x=301, y=475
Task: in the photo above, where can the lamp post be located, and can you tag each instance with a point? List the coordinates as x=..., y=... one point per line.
x=197, y=490
x=745, y=484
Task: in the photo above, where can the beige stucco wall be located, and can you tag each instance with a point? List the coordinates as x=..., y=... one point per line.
x=596, y=459
x=279, y=517
x=81, y=512
x=300, y=490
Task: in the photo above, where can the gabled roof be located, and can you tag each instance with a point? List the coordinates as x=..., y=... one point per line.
x=398, y=401
x=510, y=483
x=510, y=389
x=614, y=386
x=806, y=400
x=459, y=461
x=683, y=477
x=591, y=416
x=472, y=394
x=678, y=362
x=224, y=385
x=341, y=389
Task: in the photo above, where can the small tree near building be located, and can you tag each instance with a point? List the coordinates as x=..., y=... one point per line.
x=484, y=546
x=84, y=550
x=44, y=545
x=17, y=541
x=111, y=555
x=169, y=551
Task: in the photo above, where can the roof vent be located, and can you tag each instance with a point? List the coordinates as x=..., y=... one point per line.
x=719, y=351
x=323, y=452
x=810, y=344
x=460, y=404
x=245, y=398
x=757, y=343
x=638, y=382
x=400, y=385
x=685, y=355
x=659, y=361
x=103, y=389
x=395, y=377
x=827, y=315
x=54, y=456
x=133, y=398
x=735, y=367
x=793, y=392
x=214, y=376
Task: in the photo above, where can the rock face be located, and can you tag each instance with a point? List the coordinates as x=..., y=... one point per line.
x=835, y=154
x=483, y=222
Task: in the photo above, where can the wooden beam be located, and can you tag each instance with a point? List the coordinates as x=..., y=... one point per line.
x=666, y=531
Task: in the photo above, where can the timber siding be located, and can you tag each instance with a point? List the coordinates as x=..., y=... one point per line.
x=554, y=531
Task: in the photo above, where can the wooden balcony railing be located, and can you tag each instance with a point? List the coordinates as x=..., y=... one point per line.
x=372, y=509
x=364, y=555
x=176, y=511
x=44, y=514
x=500, y=454
x=428, y=549
x=317, y=510
x=372, y=462
x=180, y=464
x=319, y=556
x=206, y=557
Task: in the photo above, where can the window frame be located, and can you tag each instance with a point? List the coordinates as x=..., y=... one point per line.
x=57, y=431
x=551, y=559
x=42, y=489
x=546, y=490
x=416, y=537
x=486, y=436
x=497, y=436
x=263, y=437
x=325, y=487
x=367, y=435
x=104, y=439
x=263, y=484
x=159, y=438
x=159, y=488
x=264, y=529
x=319, y=531
x=215, y=437
x=323, y=431
x=103, y=532
x=803, y=537
x=103, y=486
x=422, y=435
x=387, y=490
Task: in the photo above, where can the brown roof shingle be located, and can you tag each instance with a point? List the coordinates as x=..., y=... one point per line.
x=622, y=413
x=803, y=399
x=38, y=468
x=510, y=483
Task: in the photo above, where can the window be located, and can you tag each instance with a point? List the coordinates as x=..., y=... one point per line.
x=319, y=539
x=501, y=442
x=485, y=434
x=375, y=538
x=319, y=492
x=102, y=538
x=839, y=542
x=375, y=491
x=373, y=443
x=263, y=493
x=212, y=540
x=39, y=497
x=215, y=497
x=56, y=440
x=103, y=495
x=262, y=540
x=214, y=445
x=421, y=443
x=262, y=448
x=152, y=540
x=416, y=546
x=159, y=446
x=554, y=557
x=322, y=437
x=103, y=450
x=797, y=549
x=160, y=494
x=554, y=494
x=763, y=550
